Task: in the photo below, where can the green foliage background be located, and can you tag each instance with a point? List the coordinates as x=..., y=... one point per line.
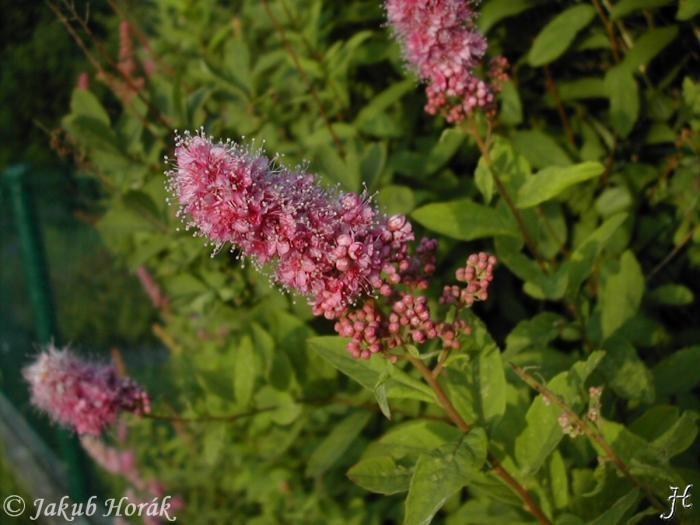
x=596, y=144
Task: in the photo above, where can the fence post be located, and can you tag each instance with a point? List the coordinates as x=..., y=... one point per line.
x=39, y=289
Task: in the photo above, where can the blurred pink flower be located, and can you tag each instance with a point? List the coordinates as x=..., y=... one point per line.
x=84, y=396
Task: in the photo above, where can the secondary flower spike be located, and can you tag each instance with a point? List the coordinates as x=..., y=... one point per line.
x=84, y=396
x=330, y=246
x=441, y=43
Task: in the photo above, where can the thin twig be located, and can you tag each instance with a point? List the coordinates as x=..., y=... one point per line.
x=671, y=254
x=592, y=433
x=88, y=54
x=609, y=28
x=503, y=192
x=458, y=420
x=208, y=418
x=163, y=66
x=312, y=90
x=554, y=91
x=111, y=62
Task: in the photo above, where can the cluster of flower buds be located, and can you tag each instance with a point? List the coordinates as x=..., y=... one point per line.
x=594, y=403
x=478, y=274
x=401, y=317
x=84, y=396
x=440, y=41
x=569, y=426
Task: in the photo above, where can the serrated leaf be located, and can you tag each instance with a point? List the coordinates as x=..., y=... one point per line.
x=438, y=475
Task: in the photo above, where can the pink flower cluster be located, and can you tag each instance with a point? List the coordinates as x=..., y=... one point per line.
x=478, y=274
x=441, y=42
x=330, y=247
x=84, y=396
x=408, y=319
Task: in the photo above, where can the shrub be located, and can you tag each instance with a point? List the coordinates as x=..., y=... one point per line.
x=574, y=383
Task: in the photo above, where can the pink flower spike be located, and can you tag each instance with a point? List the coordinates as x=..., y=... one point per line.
x=441, y=43
x=331, y=247
x=84, y=396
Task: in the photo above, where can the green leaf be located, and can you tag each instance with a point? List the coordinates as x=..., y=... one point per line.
x=623, y=92
x=244, y=371
x=84, y=103
x=441, y=473
x=237, y=63
x=613, y=200
x=626, y=373
x=511, y=113
x=678, y=438
x=368, y=372
x=483, y=178
x=614, y=515
x=444, y=149
x=405, y=442
x=542, y=432
x=538, y=331
x=382, y=399
x=381, y=474
x=621, y=294
x=650, y=44
x=213, y=444
x=672, y=295
x=337, y=442
x=338, y=170
x=540, y=149
x=372, y=164
x=465, y=220
x=396, y=199
x=679, y=372
x=582, y=88
x=625, y=7
x=559, y=480
x=383, y=100
x=688, y=9
x=550, y=182
x=556, y=37
x=493, y=11
x=491, y=381
x=580, y=265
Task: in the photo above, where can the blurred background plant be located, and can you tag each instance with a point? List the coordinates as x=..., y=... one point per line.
x=611, y=263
